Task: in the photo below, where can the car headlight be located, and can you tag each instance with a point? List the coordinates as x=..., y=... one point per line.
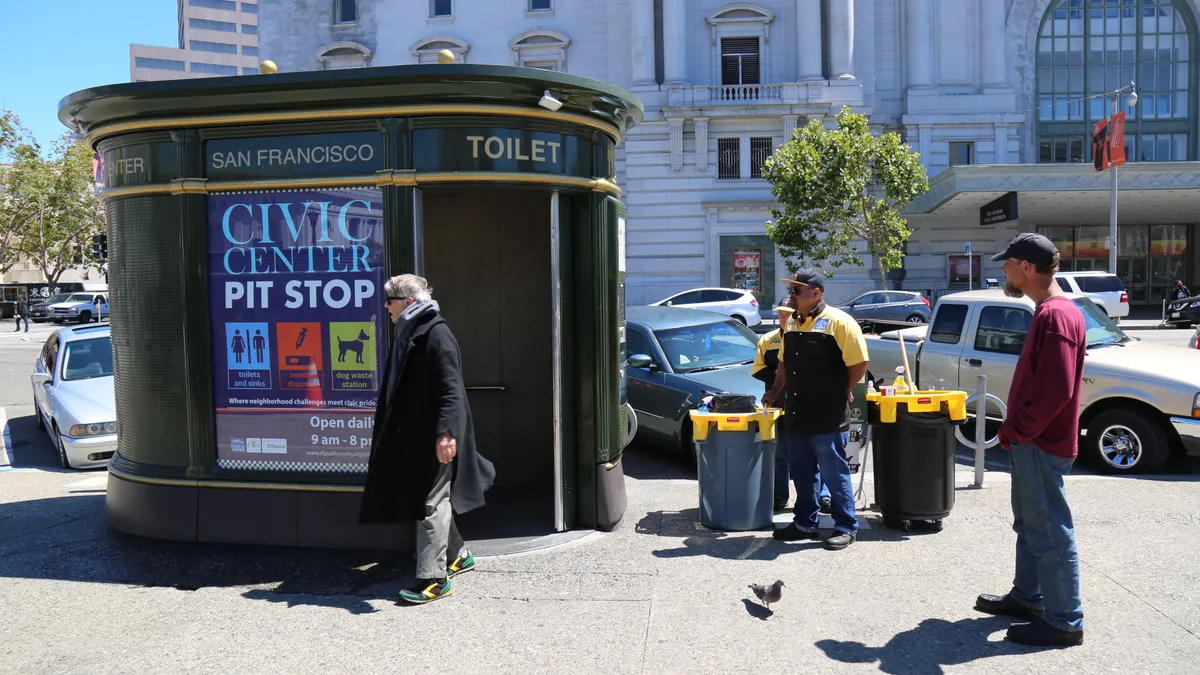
x=96, y=429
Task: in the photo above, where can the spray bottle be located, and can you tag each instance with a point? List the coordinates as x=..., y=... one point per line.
x=900, y=383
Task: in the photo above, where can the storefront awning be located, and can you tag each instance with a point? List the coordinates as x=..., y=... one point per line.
x=1067, y=194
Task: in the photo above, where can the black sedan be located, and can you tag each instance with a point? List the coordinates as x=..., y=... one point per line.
x=674, y=354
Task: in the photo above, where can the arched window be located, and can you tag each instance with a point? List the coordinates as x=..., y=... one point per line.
x=1089, y=47
x=426, y=50
x=336, y=55
x=544, y=49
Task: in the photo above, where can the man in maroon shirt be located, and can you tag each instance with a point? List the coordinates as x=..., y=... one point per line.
x=1041, y=434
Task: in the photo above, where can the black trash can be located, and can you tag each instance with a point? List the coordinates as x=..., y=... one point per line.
x=914, y=465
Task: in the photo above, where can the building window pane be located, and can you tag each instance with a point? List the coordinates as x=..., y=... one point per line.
x=539, y=5
x=346, y=11
x=249, y=71
x=247, y=50
x=739, y=61
x=214, y=69
x=760, y=150
x=250, y=7
x=960, y=154
x=205, y=24
x=214, y=4
x=160, y=64
x=218, y=47
x=440, y=8
x=1123, y=41
x=249, y=29
x=729, y=158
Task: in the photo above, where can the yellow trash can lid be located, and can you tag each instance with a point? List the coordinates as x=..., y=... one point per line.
x=921, y=401
x=702, y=422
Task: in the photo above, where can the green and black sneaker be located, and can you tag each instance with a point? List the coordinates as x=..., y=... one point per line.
x=463, y=563
x=426, y=590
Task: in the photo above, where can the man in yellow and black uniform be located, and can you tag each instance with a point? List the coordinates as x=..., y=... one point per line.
x=823, y=356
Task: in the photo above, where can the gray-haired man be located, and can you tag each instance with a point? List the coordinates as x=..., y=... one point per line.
x=423, y=464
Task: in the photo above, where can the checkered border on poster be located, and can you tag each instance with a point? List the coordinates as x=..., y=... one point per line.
x=265, y=465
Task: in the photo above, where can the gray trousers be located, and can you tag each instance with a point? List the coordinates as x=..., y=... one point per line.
x=437, y=534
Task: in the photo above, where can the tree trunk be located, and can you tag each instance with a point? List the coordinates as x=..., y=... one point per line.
x=879, y=266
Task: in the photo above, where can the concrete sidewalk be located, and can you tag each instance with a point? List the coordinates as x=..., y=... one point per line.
x=661, y=594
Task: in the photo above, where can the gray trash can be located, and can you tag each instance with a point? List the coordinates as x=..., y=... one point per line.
x=735, y=456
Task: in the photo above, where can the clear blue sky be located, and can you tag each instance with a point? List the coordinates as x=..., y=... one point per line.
x=57, y=47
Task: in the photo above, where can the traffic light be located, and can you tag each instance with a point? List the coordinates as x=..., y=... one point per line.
x=100, y=246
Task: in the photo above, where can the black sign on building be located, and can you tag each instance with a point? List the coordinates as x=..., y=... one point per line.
x=1000, y=210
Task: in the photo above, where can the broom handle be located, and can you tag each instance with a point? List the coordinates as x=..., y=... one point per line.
x=907, y=372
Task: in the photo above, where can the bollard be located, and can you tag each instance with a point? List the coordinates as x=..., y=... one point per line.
x=980, y=430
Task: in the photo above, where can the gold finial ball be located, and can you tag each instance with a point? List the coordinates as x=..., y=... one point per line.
x=268, y=68
x=445, y=56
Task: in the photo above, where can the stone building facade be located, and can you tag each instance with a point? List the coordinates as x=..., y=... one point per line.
x=998, y=96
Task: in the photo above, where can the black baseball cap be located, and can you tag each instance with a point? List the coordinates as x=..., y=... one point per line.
x=1030, y=247
x=806, y=277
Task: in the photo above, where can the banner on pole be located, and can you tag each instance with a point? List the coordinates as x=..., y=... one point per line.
x=1108, y=142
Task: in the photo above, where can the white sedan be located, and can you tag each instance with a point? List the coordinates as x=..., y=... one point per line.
x=739, y=304
x=73, y=395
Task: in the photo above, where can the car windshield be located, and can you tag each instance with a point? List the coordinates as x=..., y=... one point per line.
x=707, y=346
x=1100, y=329
x=81, y=297
x=54, y=298
x=86, y=359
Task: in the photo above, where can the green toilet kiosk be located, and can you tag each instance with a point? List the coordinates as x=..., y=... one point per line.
x=252, y=223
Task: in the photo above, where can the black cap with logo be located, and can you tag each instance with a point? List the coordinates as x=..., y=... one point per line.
x=806, y=277
x=1030, y=247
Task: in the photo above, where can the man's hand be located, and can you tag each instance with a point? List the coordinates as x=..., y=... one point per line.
x=850, y=396
x=447, y=448
x=1003, y=440
x=769, y=398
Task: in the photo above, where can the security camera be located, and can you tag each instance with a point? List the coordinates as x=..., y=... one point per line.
x=549, y=102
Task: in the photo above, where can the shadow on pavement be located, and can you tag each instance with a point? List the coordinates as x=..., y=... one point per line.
x=925, y=649
x=698, y=540
x=31, y=447
x=756, y=610
x=647, y=462
x=66, y=539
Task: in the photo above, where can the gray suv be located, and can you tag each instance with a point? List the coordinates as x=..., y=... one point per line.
x=907, y=306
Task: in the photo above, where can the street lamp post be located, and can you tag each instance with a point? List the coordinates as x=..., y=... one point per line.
x=1112, y=204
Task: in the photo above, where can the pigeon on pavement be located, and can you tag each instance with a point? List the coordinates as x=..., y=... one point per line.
x=768, y=593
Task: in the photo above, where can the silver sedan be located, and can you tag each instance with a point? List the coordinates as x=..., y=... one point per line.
x=73, y=395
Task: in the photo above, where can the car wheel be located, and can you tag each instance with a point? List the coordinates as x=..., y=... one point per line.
x=915, y=318
x=1127, y=441
x=85, y=317
x=37, y=412
x=62, y=449
x=740, y=318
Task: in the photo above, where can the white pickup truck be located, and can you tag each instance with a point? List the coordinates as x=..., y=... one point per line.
x=1140, y=402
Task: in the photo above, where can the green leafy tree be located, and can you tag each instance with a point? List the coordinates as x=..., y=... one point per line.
x=49, y=210
x=840, y=190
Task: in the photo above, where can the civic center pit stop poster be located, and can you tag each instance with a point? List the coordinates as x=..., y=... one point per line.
x=299, y=327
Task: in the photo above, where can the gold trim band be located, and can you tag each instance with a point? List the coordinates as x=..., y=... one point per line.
x=202, y=186
x=234, y=485
x=107, y=130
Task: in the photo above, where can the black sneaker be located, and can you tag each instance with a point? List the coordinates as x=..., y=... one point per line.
x=825, y=504
x=1038, y=633
x=426, y=590
x=793, y=533
x=463, y=563
x=780, y=506
x=1003, y=605
x=839, y=541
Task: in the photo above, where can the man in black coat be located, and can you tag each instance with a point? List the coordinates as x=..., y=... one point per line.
x=424, y=465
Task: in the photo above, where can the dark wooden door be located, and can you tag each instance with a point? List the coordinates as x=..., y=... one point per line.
x=487, y=256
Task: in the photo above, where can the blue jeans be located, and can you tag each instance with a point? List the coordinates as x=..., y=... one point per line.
x=781, y=476
x=814, y=459
x=1047, y=561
